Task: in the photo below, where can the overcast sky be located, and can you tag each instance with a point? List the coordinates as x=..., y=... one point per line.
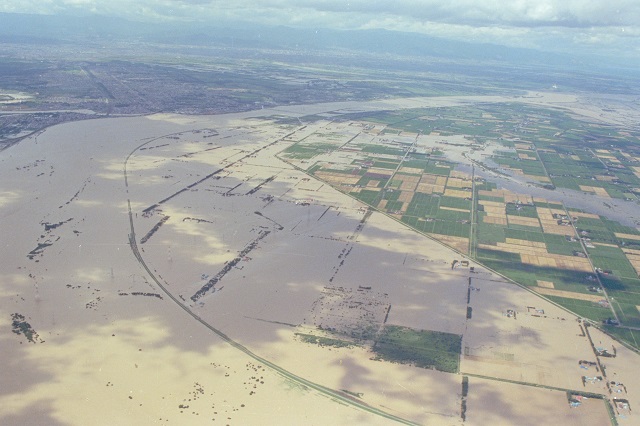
x=599, y=26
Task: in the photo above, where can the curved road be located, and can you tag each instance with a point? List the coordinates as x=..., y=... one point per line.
x=339, y=396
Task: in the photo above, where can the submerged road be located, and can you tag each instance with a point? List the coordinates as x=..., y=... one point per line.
x=334, y=394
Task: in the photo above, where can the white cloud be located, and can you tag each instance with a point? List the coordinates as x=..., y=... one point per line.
x=471, y=12
x=527, y=23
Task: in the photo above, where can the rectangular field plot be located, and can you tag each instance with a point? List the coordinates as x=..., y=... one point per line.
x=393, y=206
x=337, y=178
x=457, y=193
x=368, y=196
x=427, y=214
x=624, y=294
x=525, y=162
x=613, y=260
x=633, y=256
x=422, y=348
x=490, y=234
x=423, y=205
x=535, y=253
x=453, y=229
x=455, y=182
x=521, y=210
x=459, y=243
x=417, y=163
x=542, y=203
x=595, y=230
x=633, y=237
x=386, y=164
x=439, y=168
x=305, y=151
x=524, y=236
x=519, y=221
x=510, y=264
x=627, y=313
x=382, y=149
x=371, y=180
x=433, y=179
x=598, y=299
x=584, y=308
x=560, y=244
x=624, y=334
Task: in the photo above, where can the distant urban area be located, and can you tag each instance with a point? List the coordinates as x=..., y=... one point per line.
x=43, y=85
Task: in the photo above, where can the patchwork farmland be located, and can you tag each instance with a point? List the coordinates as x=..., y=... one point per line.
x=410, y=165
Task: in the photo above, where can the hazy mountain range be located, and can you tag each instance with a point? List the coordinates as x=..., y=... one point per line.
x=54, y=29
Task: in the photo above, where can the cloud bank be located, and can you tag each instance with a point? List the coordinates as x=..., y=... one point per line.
x=587, y=25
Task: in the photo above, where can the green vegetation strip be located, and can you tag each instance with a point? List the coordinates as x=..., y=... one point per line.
x=422, y=348
x=324, y=341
